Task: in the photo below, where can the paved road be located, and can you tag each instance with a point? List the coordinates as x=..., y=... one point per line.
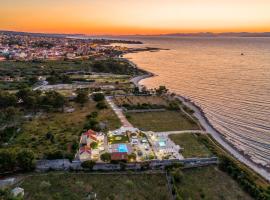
x=180, y=132
x=44, y=83
x=118, y=111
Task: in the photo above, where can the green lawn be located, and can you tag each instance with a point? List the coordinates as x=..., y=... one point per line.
x=66, y=129
x=161, y=121
x=77, y=186
x=116, y=139
x=192, y=146
x=209, y=183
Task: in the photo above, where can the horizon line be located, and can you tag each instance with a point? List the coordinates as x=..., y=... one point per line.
x=137, y=34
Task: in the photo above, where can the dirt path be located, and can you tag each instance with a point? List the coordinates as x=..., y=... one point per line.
x=119, y=112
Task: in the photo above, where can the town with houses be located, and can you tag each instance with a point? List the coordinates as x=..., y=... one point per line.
x=27, y=48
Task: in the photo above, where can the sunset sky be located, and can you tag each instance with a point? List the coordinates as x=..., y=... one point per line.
x=134, y=16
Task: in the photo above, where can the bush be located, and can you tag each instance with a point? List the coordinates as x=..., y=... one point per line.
x=101, y=105
x=7, y=160
x=26, y=160
x=92, y=115
x=91, y=124
x=177, y=175
x=5, y=194
x=132, y=157
x=105, y=157
x=98, y=97
x=94, y=145
x=89, y=164
x=52, y=155
x=173, y=106
x=45, y=184
x=82, y=97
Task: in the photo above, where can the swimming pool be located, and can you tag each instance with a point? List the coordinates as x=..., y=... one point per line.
x=162, y=143
x=122, y=148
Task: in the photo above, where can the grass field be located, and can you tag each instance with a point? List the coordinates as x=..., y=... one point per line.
x=192, y=147
x=77, y=186
x=134, y=100
x=161, y=121
x=66, y=129
x=254, y=179
x=117, y=139
x=209, y=183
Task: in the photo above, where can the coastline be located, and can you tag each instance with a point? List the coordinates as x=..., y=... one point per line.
x=205, y=123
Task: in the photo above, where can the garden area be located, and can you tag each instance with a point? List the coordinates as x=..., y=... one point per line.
x=161, y=121
x=76, y=186
x=192, y=147
x=116, y=139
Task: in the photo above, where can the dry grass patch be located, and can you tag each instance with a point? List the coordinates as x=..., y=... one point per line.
x=70, y=186
x=135, y=100
x=162, y=121
x=209, y=183
x=64, y=129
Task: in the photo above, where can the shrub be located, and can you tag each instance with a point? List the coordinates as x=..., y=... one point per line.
x=91, y=124
x=129, y=183
x=52, y=155
x=94, y=145
x=44, y=184
x=101, y=105
x=98, y=97
x=7, y=160
x=26, y=160
x=89, y=164
x=105, y=157
x=177, y=175
x=92, y=115
x=82, y=97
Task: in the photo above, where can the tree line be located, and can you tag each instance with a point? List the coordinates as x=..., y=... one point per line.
x=12, y=160
x=34, y=100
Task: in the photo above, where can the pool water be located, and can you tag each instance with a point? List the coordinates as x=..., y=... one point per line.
x=122, y=148
x=162, y=143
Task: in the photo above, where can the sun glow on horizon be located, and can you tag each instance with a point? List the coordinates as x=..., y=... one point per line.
x=135, y=17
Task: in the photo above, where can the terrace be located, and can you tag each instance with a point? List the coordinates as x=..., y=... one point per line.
x=163, y=146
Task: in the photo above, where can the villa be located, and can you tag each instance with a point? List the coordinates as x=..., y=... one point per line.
x=91, y=136
x=163, y=146
x=85, y=153
x=126, y=141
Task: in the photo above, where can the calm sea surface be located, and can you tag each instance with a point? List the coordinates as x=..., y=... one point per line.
x=232, y=89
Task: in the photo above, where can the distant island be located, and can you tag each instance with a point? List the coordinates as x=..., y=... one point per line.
x=198, y=34
x=226, y=34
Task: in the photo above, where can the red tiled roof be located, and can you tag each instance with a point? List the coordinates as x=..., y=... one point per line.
x=91, y=134
x=85, y=149
x=119, y=156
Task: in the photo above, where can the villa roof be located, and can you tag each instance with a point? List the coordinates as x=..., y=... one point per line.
x=91, y=134
x=85, y=149
x=119, y=156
